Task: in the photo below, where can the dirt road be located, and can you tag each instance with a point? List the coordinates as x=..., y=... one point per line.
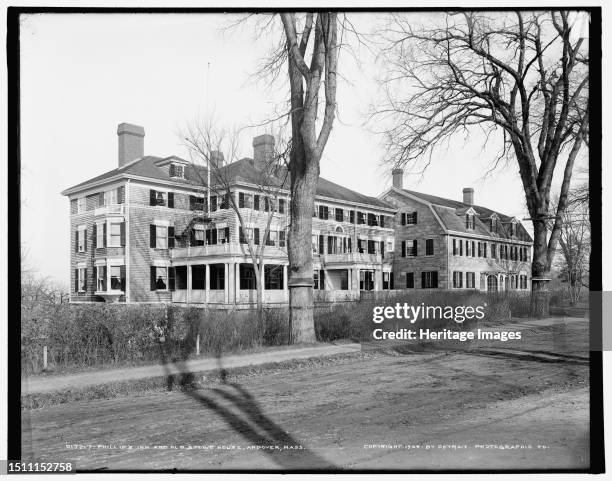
x=379, y=411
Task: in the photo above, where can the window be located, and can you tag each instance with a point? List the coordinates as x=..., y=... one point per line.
x=223, y=235
x=352, y=216
x=323, y=212
x=343, y=280
x=494, y=225
x=460, y=247
x=100, y=235
x=429, y=247
x=484, y=249
x=115, y=238
x=282, y=238
x=409, y=280
x=457, y=280
x=273, y=277
x=339, y=215
x=494, y=251
x=217, y=276
x=473, y=249
x=81, y=240
x=315, y=278
x=196, y=203
x=159, y=278
x=180, y=272
x=272, y=239
x=469, y=221
x=386, y=280
x=411, y=248
x=361, y=218
x=247, y=277
x=198, y=277
x=512, y=229
x=372, y=220
x=177, y=170
x=117, y=278
x=110, y=197
x=80, y=205
x=470, y=280
x=480, y=249
x=281, y=206
x=409, y=218
x=467, y=248
x=198, y=235
x=81, y=280
x=455, y=251
x=366, y=280
x=157, y=198
x=101, y=278
x=161, y=237
x=429, y=279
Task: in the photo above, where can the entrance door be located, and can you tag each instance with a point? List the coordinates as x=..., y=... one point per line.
x=492, y=283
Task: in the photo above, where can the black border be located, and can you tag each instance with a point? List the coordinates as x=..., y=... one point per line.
x=13, y=201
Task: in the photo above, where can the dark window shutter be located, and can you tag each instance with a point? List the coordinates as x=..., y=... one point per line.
x=403, y=218
x=171, y=278
x=382, y=220
x=152, y=197
x=240, y=200
x=241, y=239
x=256, y=236
x=171, y=200
x=352, y=216
x=322, y=280
x=422, y=280
x=122, y=276
x=122, y=230
x=121, y=195
x=350, y=247
x=76, y=280
x=85, y=279
x=414, y=217
x=153, y=279
x=191, y=202
x=414, y=247
x=403, y=248
x=321, y=244
x=382, y=249
x=227, y=235
x=256, y=202
x=85, y=239
x=434, y=279
x=95, y=278
x=152, y=236
x=170, y=237
x=94, y=240
x=104, y=235
x=101, y=199
x=76, y=241
x=214, y=236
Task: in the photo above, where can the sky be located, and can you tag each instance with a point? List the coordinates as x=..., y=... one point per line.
x=83, y=74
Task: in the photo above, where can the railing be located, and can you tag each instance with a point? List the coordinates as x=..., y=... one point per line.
x=223, y=249
x=353, y=257
x=114, y=209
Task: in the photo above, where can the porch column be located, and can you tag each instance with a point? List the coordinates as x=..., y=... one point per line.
x=188, y=284
x=237, y=282
x=355, y=282
x=226, y=282
x=285, y=288
x=207, y=284
x=263, y=282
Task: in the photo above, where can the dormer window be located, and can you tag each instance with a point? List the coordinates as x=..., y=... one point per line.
x=469, y=221
x=494, y=225
x=513, y=229
x=177, y=171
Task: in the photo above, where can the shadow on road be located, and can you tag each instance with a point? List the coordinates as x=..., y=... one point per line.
x=241, y=412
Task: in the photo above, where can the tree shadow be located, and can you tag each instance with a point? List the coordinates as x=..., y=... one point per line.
x=238, y=408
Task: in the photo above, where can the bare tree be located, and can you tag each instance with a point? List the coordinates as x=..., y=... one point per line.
x=209, y=145
x=307, y=77
x=522, y=75
x=575, y=244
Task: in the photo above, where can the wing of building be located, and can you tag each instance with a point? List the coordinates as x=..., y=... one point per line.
x=444, y=243
x=150, y=231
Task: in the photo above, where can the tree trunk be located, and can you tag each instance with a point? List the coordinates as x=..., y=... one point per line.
x=540, y=273
x=301, y=302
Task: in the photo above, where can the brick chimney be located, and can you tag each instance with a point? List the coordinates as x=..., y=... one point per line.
x=263, y=151
x=217, y=158
x=131, y=143
x=398, y=178
x=468, y=196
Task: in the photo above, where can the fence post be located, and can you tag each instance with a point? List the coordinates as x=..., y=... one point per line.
x=198, y=344
x=44, y=358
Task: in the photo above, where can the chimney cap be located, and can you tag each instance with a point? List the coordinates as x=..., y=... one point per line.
x=468, y=190
x=125, y=128
x=397, y=170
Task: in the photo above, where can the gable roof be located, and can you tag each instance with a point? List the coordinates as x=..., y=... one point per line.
x=239, y=171
x=451, y=213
